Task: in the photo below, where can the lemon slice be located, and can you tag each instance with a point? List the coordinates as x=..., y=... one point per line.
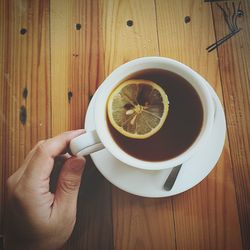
x=137, y=108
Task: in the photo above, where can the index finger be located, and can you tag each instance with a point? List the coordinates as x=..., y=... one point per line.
x=58, y=144
x=42, y=162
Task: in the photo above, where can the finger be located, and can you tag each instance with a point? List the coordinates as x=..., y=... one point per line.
x=31, y=153
x=68, y=185
x=42, y=161
x=59, y=144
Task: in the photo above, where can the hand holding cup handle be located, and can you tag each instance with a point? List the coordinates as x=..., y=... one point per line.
x=86, y=144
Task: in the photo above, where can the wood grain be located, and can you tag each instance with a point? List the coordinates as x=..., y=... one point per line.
x=139, y=223
x=123, y=43
x=2, y=113
x=76, y=61
x=142, y=223
x=61, y=66
x=234, y=63
x=60, y=26
x=26, y=65
x=77, y=66
x=195, y=213
x=204, y=225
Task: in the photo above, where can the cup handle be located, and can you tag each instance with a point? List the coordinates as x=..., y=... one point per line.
x=86, y=144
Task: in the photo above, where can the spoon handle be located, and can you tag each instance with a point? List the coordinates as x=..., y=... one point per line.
x=169, y=183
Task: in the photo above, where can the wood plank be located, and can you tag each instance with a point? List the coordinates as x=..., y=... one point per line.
x=2, y=116
x=206, y=217
x=77, y=61
x=60, y=26
x=234, y=62
x=123, y=43
x=26, y=65
x=77, y=65
x=142, y=223
x=139, y=223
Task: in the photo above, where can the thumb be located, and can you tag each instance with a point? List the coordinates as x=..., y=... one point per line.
x=68, y=184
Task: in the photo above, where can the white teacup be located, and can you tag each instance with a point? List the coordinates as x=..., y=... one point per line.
x=100, y=138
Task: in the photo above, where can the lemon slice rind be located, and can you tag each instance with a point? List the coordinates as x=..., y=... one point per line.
x=118, y=93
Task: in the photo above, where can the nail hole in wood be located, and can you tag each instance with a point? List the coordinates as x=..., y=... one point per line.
x=78, y=26
x=25, y=93
x=70, y=95
x=130, y=23
x=23, y=115
x=23, y=31
x=187, y=19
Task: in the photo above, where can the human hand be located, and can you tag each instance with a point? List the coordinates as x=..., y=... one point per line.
x=37, y=218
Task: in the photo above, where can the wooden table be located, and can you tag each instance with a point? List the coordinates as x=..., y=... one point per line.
x=53, y=56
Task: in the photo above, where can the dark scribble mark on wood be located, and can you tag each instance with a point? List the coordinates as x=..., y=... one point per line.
x=240, y=13
x=230, y=17
x=70, y=95
x=23, y=115
x=25, y=93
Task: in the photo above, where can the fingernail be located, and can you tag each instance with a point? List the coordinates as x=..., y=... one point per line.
x=77, y=131
x=80, y=130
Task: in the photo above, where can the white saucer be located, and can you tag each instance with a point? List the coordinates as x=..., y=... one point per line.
x=150, y=183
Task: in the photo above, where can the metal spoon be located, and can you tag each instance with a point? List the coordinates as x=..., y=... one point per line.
x=169, y=183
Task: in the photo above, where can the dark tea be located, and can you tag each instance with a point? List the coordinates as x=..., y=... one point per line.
x=181, y=128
